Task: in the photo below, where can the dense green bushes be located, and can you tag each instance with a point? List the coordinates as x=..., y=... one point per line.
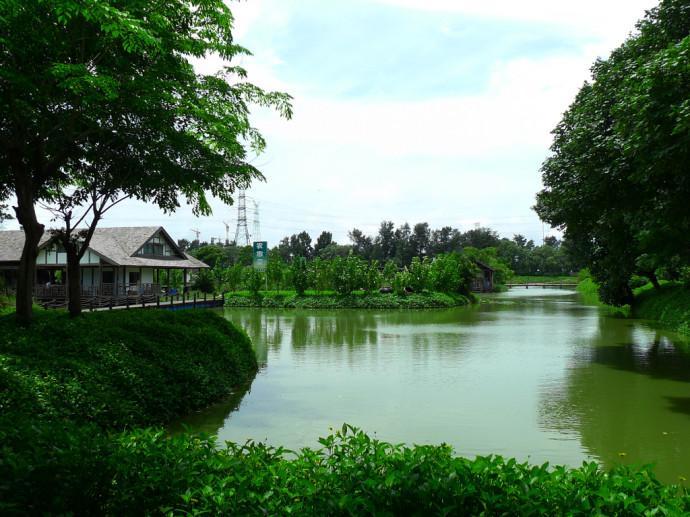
x=353, y=301
x=669, y=305
x=61, y=468
x=448, y=273
x=120, y=368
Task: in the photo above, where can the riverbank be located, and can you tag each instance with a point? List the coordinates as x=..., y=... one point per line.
x=122, y=368
x=669, y=305
x=313, y=300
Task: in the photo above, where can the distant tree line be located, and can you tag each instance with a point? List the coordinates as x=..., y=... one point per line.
x=402, y=245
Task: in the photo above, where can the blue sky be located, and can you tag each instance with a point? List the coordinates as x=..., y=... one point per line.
x=407, y=110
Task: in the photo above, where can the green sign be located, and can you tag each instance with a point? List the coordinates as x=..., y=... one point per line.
x=260, y=255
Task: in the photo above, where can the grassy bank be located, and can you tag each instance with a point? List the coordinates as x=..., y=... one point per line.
x=669, y=305
x=313, y=300
x=121, y=368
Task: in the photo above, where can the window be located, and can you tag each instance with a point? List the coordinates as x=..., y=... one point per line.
x=156, y=246
x=108, y=277
x=134, y=277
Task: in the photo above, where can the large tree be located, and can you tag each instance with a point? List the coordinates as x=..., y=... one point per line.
x=86, y=82
x=617, y=181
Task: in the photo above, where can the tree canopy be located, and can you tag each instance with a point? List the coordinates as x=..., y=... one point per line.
x=108, y=90
x=617, y=180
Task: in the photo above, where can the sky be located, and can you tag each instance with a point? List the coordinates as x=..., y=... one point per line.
x=435, y=111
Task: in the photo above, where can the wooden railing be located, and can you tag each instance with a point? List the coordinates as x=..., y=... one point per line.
x=59, y=292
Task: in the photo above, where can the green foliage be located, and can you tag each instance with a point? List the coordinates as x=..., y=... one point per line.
x=372, y=277
x=627, y=132
x=253, y=280
x=289, y=300
x=669, y=305
x=452, y=273
x=300, y=274
x=58, y=468
x=401, y=281
x=204, y=281
x=212, y=255
x=489, y=256
x=389, y=271
x=348, y=274
x=418, y=279
x=319, y=274
x=111, y=91
x=233, y=277
x=120, y=368
x=275, y=272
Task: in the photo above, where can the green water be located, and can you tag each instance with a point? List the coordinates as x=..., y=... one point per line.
x=534, y=374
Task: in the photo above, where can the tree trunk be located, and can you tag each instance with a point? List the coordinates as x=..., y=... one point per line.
x=33, y=231
x=73, y=280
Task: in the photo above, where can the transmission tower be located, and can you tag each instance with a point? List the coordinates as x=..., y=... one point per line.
x=242, y=231
x=256, y=225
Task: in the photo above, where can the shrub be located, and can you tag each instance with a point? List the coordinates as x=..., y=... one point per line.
x=204, y=281
x=418, y=278
x=300, y=277
x=120, y=368
x=253, y=280
x=58, y=468
x=401, y=281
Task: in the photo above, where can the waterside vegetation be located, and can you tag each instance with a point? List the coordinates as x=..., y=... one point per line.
x=359, y=300
x=64, y=469
x=120, y=369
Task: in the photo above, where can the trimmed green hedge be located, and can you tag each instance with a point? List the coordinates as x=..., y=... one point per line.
x=61, y=468
x=669, y=305
x=120, y=368
x=353, y=301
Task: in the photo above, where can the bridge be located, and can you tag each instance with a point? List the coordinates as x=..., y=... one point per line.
x=545, y=285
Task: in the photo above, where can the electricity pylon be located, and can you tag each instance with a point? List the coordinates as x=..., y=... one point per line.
x=242, y=231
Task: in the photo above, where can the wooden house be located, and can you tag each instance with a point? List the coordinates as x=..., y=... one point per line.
x=118, y=262
x=484, y=281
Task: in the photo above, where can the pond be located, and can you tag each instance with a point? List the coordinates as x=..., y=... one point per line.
x=532, y=374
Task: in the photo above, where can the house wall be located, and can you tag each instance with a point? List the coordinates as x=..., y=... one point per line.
x=49, y=257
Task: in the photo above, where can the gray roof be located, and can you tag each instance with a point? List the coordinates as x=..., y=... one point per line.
x=115, y=246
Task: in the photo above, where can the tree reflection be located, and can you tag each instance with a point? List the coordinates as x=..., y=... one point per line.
x=626, y=398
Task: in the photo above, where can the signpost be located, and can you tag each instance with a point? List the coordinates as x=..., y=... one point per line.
x=260, y=255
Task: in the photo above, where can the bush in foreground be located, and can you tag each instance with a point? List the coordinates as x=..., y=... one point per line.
x=120, y=368
x=53, y=469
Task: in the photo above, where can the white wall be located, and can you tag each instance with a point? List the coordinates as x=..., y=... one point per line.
x=60, y=259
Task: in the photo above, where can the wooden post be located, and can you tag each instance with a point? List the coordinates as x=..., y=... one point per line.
x=158, y=300
x=167, y=284
x=110, y=303
x=194, y=305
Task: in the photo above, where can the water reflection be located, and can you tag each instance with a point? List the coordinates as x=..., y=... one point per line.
x=534, y=374
x=626, y=398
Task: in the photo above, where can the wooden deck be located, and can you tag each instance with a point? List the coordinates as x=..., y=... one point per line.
x=105, y=303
